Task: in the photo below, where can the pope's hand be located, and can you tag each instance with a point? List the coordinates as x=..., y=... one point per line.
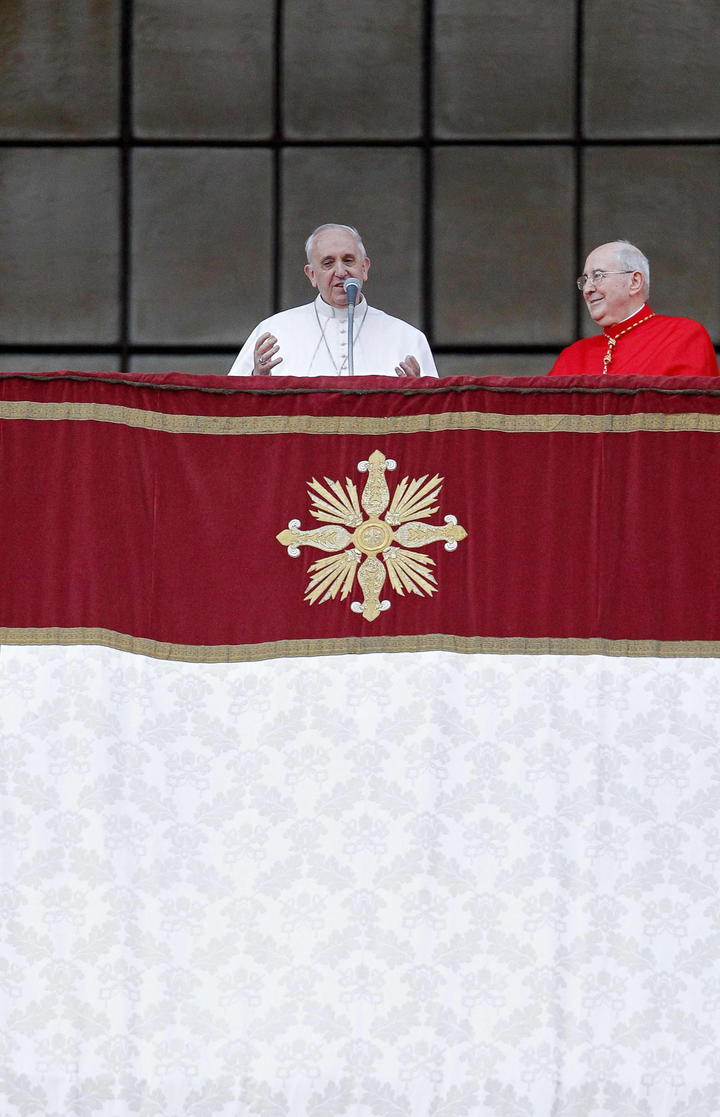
x=264, y=355
x=409, y=367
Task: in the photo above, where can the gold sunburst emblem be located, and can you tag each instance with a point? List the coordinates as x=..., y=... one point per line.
x=375, y=546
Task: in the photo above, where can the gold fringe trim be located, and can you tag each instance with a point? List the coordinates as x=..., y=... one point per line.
x=351, y=424
x=356, y=645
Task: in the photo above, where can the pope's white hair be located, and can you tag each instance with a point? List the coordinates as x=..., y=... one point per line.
x=631, y=258
x=332, y=225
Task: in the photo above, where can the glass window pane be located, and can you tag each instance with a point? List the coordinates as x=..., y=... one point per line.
x=203, y=69
x=59, y=245
x=504, y=69
x=59, y=69
x=200, y=244
x=503, y=234
x=652, y=69
x=352, y=72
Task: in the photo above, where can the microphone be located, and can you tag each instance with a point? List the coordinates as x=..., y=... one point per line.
x=352, y=286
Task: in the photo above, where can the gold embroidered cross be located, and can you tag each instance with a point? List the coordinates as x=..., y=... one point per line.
x=366, y=547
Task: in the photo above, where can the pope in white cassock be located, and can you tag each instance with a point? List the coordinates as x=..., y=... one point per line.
x=311, y=340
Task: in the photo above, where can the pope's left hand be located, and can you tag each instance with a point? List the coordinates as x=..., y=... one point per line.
x=409, y=367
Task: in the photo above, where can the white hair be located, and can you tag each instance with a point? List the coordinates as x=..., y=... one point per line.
x=632, y=259
x=332, y=225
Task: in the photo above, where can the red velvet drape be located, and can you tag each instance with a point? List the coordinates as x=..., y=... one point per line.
x=149, y=506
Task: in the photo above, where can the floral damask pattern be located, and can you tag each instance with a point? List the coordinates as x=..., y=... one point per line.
x=405, y=886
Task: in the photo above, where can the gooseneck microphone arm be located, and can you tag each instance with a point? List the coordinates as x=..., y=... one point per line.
x=351, y=286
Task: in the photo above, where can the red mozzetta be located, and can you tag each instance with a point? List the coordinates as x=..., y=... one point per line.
x=647, y=344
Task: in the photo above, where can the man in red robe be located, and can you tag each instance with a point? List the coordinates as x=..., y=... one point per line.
x=635, y=340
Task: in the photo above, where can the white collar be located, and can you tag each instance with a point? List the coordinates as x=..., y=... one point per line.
x=627, y=319
x=325, y=310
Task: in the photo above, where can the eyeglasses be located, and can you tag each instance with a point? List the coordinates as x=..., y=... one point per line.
x=597, y=277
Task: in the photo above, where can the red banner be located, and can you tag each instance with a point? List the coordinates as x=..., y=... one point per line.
x=471, y=514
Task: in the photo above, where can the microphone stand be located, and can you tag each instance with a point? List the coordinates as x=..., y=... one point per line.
x=351, y=337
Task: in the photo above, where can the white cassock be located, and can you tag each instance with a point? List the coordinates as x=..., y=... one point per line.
x=312, y=341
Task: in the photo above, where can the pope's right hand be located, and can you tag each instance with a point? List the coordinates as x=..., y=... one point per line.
x=265, y=355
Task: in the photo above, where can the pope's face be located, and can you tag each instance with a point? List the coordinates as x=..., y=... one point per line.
x=335, y=257
x=616, y=297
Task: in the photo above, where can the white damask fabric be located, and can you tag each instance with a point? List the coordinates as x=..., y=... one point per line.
x=424, y=885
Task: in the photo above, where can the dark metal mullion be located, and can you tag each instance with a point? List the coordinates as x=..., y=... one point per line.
x=65, y=347
x=427, y=92
x=579, y=156
x=277, y=158
x=126, y=16
x=438, y=141
x=171, y=349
